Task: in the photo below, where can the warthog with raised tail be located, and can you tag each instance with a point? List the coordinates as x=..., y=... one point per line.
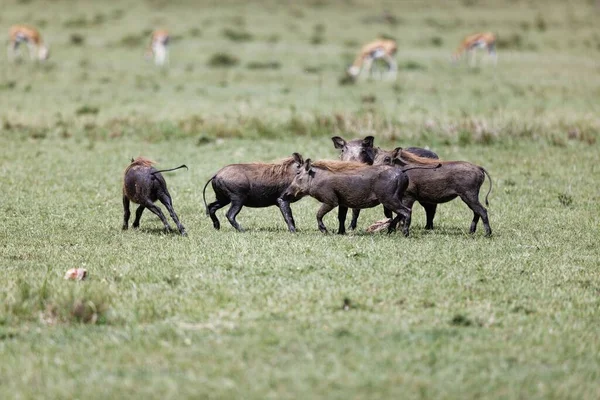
x=253, y=185
x=362, y=150
x=452, y=179
x=350, y=185
x=143, y=185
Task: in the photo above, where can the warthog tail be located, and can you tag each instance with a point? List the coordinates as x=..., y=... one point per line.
x=172, y=169
x=431, y=167
x=488, y=193
x=204, y=194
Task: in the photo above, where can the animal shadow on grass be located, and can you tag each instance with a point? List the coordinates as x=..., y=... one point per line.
x=455, y=231
x=440, y=230
x=268, y=229
x=156, y=231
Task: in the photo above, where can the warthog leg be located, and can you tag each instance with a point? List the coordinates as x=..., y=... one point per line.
x=234, y=210
x=430, y=209
x=393, y=223
x=156, y=210
x=212, y=209
x=387, y=212
x=138, y=216
x=472, y=200
x=406, y=217
x=404, y=212
x=126, y=213
x=166, y=200
x=286, y=211
x=342, y=212
x=355, y=214
x=325, y=208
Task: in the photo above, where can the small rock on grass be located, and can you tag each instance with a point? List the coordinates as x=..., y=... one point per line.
x=76, y=274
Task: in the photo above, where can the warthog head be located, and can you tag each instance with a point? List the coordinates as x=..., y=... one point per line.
x=401, y=157
x=360, y=150
x=387, y=157
x=300, y=186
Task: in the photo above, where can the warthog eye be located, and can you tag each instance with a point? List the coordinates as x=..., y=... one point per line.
x=387, y=160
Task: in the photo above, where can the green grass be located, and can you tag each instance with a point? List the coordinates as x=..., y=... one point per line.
x=260, y=314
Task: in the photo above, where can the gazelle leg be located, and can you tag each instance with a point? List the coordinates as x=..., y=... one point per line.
x=472, y=59
x=32, y=51
x=10, y=52
x=159, y=51
x=13, y=50
x=493, y=54
x=392, y=68
x=368, y=66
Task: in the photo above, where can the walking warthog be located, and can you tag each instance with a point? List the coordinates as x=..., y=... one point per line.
x=350, y=185
x=362, y=150
x=453, y=179
x=143, y=185
x=253, y=185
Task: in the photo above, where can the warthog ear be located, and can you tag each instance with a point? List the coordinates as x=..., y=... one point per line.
x=397, y=157
x=307, y=164
x=338, y=142
x=368, y=141
x=298, y=158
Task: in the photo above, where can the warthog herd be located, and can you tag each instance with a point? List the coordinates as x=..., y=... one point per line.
x=365, y=177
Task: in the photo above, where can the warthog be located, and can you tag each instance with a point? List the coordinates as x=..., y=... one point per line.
x=143, y=185
x=253, y=185
x=349, y=185
x=453, y=179
x=362, y=150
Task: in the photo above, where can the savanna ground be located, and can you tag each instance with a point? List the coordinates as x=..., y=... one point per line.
x=259, y=314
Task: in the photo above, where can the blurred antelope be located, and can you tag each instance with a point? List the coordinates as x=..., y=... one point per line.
x=25, y=34
x=486, y=40
x=158, y=47
x=380, y=49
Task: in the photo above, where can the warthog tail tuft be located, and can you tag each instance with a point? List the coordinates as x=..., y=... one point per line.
x=172, y=169
x=488, y=193
x=204, y=194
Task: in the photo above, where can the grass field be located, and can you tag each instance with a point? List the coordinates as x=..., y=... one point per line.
x=260, y=314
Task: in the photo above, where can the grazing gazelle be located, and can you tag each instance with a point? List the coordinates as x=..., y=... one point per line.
x=486, y=40
x=158, y=47
x=25, y=34
x=380, y=49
